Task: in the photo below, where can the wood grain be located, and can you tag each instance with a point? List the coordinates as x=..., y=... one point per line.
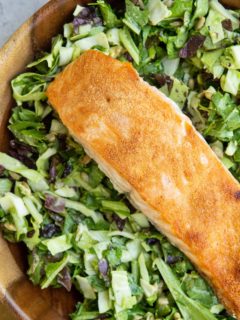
x=19, y=299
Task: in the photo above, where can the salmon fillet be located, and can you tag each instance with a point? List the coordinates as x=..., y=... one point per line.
x=152, y=152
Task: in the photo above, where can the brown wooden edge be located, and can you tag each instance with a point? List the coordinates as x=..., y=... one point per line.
x=20, y=299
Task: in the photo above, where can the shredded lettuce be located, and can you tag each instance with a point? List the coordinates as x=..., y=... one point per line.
x=109, y=17
x=129, y=44
x=158, y=11
x=231, y=81
x=29, y=86
x=122, y=291
x=58, y=244
x=5, y=186
x=78, y=229
x=135, y=17
x=191, y=310
x=16, y=166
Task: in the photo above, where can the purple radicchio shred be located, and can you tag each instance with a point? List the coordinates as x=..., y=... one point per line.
x=67, y=170
x=152, y=241
x=31, y=233
x=24, y=153
x=103, y=267
x=21, y=148
x=54, y=204
x=56, y=258
x=128, y=57
x=163, y=79
x=173, y=259
x=119, y=222
x=227, y=24
x=191, y=47
x=103, y=316
x=49, y=230
x=86, y=16
x=24, y=159
x=64, y=278
x=97, y=21
x=53, y=169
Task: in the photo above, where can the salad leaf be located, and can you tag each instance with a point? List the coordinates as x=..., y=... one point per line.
x=77, y=229
x=5, y=186
x=191, y=310
x=135, y=18
x=58, y=244
x=85, y=288
x=230, y=59
x=43, y=161
x=52, y=270
x=129, y=44
x=179, y=8
x=29, y=86
x=109, y=17
x=122, y=291
x=202, y=7
x=14, y=165
x=95, y=41
x=14, y=205
x=231, y=81
x=158, y=11
x=196, y=288
x=104, y=302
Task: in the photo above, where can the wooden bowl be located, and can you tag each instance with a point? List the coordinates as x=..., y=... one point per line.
x=19, y=299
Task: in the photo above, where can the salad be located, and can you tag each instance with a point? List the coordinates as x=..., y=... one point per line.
x=81, y=232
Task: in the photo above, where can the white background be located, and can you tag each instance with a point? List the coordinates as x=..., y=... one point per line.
x=13, y=13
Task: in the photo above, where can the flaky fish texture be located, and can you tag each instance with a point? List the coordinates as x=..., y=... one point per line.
x=152, y=152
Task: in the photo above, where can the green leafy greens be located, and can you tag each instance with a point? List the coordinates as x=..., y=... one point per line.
x=80, y=231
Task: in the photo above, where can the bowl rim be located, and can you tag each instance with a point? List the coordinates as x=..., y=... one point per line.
x=15, y=54
x=23, y=34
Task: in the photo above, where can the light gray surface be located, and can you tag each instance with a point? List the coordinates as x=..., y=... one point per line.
x=13, y=13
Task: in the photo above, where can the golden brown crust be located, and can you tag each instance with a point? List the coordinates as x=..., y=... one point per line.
x=139, y=134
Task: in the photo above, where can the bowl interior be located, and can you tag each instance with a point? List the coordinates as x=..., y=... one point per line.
x=19, y=299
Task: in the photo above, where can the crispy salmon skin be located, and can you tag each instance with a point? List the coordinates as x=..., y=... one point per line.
x=152, y=152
